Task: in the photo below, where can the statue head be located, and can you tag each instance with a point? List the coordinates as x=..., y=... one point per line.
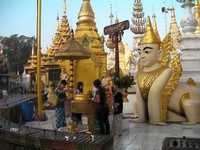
x=149, y=49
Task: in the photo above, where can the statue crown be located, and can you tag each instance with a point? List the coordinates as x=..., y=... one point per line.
x=149, y=37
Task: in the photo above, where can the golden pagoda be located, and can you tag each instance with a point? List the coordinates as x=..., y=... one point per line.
x=197, y=15
x=86, y=34
x=31, y=67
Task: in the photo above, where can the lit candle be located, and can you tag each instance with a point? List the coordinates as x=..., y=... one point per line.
x=92, y=136
x=67, y=138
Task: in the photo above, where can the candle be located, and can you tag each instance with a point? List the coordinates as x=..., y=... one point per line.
x=92, y=137
x=67, y=138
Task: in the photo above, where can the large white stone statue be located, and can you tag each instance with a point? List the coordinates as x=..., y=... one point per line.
x=160, y=97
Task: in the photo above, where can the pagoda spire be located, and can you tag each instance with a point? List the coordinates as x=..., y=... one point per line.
x=65, y=7
x=174, y=30
x=197, y=15
x=57, y=23
x=86, y=14
x=111, y=15
x=138, y=20
x=65, y=31
x=154, y=25
x=109, y=42
x=86, y=30
x=56, y=40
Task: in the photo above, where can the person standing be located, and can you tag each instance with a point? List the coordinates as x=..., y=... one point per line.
x=46, y=93
x=60, y=109
x=118, y=110
x=5, y=94
x=77, y=117
x=102, y=110
x=108, y=86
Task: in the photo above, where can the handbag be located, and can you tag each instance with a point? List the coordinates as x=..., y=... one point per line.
x=52, y=99
x=96, y=126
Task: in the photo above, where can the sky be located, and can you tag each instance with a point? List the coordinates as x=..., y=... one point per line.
x=20, y=16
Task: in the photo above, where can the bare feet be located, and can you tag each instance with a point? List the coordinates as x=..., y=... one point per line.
x=158, y=123
x=137, y=120
x=189, y=123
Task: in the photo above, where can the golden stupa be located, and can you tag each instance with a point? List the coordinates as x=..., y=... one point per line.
x=86, y=33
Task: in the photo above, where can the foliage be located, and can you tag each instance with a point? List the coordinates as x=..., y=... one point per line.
x=126, y=81
x=18, y=50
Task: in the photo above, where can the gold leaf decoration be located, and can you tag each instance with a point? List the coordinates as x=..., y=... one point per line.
x=166, y=47
x=175, y=65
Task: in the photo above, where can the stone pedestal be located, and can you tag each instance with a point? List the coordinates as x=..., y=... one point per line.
x=190, y=58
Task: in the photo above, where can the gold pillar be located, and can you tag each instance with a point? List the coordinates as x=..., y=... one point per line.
x=98, y=71
x=71, y=78
x=39, y=91
x=47, y=77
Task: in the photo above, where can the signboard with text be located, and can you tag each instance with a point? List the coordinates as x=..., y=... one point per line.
x=124, y=25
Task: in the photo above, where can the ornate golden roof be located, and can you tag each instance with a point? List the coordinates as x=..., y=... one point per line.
x=72, y=50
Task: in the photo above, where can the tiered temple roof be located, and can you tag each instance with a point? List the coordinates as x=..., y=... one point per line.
x=138, y=20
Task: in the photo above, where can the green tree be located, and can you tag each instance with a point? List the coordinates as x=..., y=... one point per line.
x=18, y=50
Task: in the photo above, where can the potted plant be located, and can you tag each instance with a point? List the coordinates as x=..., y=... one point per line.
x=126, y=81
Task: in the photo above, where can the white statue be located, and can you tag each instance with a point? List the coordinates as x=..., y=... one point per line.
x=160, y=97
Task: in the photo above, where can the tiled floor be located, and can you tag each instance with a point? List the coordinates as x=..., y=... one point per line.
x=136, y=136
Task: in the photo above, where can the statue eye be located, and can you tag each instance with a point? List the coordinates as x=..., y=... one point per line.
x=146, y=51
x=139, y=52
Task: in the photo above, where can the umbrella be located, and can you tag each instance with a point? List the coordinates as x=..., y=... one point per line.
x=72, y=50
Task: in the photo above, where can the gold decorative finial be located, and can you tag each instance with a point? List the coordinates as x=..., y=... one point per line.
x=33, y=45
x=57, y=23
x=65, y=8
x=197, y=15
x=149, y=37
